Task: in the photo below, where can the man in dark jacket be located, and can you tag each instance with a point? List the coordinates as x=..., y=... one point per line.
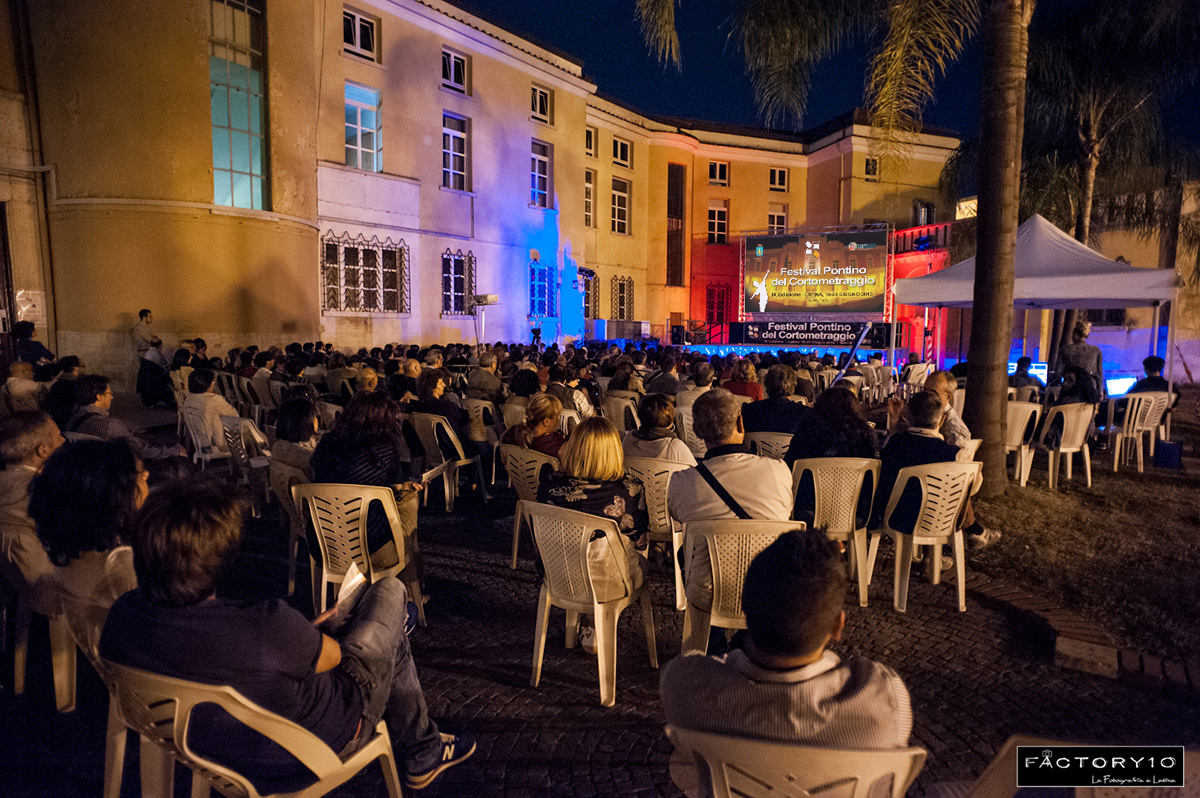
x=776, y=413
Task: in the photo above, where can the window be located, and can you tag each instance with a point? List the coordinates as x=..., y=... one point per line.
x=543, y=288
x=622, y=298
x=363, y=144
x=923, y=213
x=458, y=283
x=622, y=152
x=539, y=175
x=358, y=34
x=541, y=104
x=716, y=302
x=591, y=294
x=589, y=198
x=237, y=91
x=872, y=170
x=777, y=219
x=620, y=206
x=590, y=135
x=454, y=152
x=676, y=207
x=718, y=173
x=454, y=71
x=1109, y=317
x=779, y=178
x=718, y=221
x=369, y=276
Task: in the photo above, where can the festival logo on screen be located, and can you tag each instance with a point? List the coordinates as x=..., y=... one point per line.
x=816, y=273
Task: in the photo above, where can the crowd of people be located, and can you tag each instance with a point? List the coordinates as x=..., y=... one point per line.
x=84, y=533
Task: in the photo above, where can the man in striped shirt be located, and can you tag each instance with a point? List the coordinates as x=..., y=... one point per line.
x=784, y=685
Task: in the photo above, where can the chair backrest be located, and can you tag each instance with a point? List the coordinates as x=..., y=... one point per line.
x=1027, y=393
x=160, y=709
x=231, y=426
x=513, y=415
x=247, y=388
x=945, y=488
x=838, y=483
x=857, y=382
x=196, y=424
x=732, y=545
x=960, y=399
x=476, y=408
x=568, y=420
x=339, y=515
x=1077, y=420
x=79, y=436
x=327, y=413
x=745, y=400
x=240, y=390
x=683, y=428
x=769, y=444
x=967, y=451
x=1021, y=423
x=225, y=384
x=737, y=766
x=655, y=476
x=1144, y=411
x=621, y=412
x=562, y=541
x=428, y=427
x=524, y=467
x=282, y=477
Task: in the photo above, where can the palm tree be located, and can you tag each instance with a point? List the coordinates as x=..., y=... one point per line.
x=784, y=40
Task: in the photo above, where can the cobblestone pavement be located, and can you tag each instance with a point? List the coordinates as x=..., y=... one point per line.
x=975, y=678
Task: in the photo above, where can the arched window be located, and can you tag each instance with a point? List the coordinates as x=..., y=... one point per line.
x=622, y=298
x=543, y=287
x=458, y=283
x=591, y=293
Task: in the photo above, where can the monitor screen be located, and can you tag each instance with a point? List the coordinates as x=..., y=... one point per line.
x=1039, y=370
x=1119, y=386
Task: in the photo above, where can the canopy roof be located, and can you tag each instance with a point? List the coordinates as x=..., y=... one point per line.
x=1053, y=271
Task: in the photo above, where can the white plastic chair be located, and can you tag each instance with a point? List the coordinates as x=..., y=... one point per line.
x=513, y=415
x=429, y=429
x=683, y=428
x=769, y=444
x=327, y=413
x=1077, y=421
x=655, y=476
x=967, y=452
x=858, y=383
x=339, y=516
x=524, y=467
x=945, y=488
x=838, y=484
x=1019, y=429
x=62, y=650
x=197, y=426
x=282, y=478
x=621, y=412
x=562, y=539
x=160, y=708
x=732, y=545
x=476, y=409
x=568, y=420
x=256, y=407
x=748, y=768
x=1143, y=414
x=1027, y=393
x=252, y=468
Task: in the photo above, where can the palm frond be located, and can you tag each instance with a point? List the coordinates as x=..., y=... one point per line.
x=959, y=176
x=922, y=38
x=657, y=19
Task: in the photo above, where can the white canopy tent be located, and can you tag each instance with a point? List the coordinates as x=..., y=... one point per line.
x=1053, y=271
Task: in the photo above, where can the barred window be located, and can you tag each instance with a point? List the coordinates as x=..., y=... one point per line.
x=364, y=275
x=458, y=283
x=622, y=298
x=542, y=289
x=716, y=302
x=591, y=294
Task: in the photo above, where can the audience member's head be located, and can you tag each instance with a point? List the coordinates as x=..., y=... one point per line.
x=366, y=419
x=793, y=595
x=525, y=383
x=541, y=417
x=201, y=381
x=181, y=358
x=1082, y=330
x=184, y=540
x=942, y=383
x=367, y=380
x=86, y=497
x=92, y=389
x=23, y=330
x=593, y=451
x=717, y=418
x=432, y=384
x=667, y=364
x=412, y=368
x=780, y=380
x=28, y=438
x=1153, y=366
x=487, y=360
x=702, y=374
x=297, y=421
x=264, y=360
x=657, y=411
x=22, y=371
x=144, y=315
x=925, y=410
x=71, y=365
x=743, y=371
x=1023, y=364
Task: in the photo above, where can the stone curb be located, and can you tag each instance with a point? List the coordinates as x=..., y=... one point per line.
x=1081, y=645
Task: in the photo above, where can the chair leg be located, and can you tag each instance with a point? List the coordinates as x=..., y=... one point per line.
x=871, y=555
x=648, y=625
x=516, y=535
x=1070, y=460
x=860, y=564
x=960, y=569
x=904, y=551
x=391, y=779
x=1087, y=464
x=114, y=751
x=1026, y=464
x=21, y=645
x=1116, y=453
x=696, y=624
x=1139, y=454
x=680, y=595
x=606, y=651
x=539, y=634
x=572, y=635
x=1053, y=468
x=293, y=555
x=62, y=658
x=933, y=564
x=158, y=771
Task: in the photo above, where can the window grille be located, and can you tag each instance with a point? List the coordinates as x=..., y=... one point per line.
x=591, y=294
x=622, y=298
x=543, y=287
x=364, y=275
x=716, y=302
x=458, y=283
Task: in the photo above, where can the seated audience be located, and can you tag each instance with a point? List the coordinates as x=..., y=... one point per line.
x=743, y=381
x=836, y=427
x=483, y=382
x=84, y=501
x=93, y=399
x=1153, y=381
x=626, y=379
x=656, y=436
x=431, y=389
x=60, y=399
x=776, y=413
x=539, y=431
x=315, y=372
x=264, y=362
x=27, y=440
x=666, y=380
x=366, y=381
x=337, y=688
x=28, y=350
x=204, y=400
x=296, y=434
x=338, y=375
x=1021, y=378
x=524, y=385
x=702, y=376
x=785, y=685
x=21, y=391
x=942, y=385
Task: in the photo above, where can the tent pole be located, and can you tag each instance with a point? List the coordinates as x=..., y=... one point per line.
x=1171, y=342
x=1025, y=332
x=1154, y=335
x=892, y=340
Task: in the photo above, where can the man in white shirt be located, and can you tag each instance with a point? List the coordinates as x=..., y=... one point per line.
x=142, y=333
x=204, y=402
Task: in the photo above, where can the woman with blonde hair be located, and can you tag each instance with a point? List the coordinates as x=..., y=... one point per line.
x=744, y=381
x=539, y=431
x=367, y=380
x=592, y=480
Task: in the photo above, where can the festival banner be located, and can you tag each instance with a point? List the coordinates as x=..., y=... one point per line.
x=831, y=272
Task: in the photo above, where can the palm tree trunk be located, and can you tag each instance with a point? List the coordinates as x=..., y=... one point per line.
x=1006, y=47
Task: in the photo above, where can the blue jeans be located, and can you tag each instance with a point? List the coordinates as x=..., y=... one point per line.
x=376, y=654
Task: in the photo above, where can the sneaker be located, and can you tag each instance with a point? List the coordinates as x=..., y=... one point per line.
x=984, y=539
x=455, y=749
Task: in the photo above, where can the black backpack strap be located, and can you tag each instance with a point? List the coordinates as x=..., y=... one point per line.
x=719, y=489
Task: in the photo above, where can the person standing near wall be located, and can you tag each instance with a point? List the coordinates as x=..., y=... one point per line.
x=141, y=332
